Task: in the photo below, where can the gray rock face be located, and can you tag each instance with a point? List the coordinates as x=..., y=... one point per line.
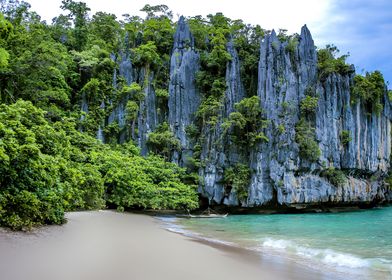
x=282, y=84
x=235, y=90
x=184, y=98
x=311, y=189
x=125, y=71
x=218, y=152
x=370, y=146
x=283, y=79
x=279, y=175
x=147, y=116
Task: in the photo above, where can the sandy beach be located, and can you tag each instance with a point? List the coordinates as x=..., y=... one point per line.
x=109, y=245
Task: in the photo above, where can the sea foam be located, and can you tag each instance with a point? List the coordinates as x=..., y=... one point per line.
x=326, y=256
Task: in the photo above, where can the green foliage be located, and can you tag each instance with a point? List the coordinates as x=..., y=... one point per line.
x=4, y=57
x=304, y=130
x=112, y=130
x=160, y=9
x=329, y=63
x=335, y=176
x=38, y=178
x=211, y=77
x=134, y=92
x=92, y=58
x=132, y=110
x=292, y=45
x=78, y=12
x=281, y=129
x=162, y=141
x=104, y=31
x=191, y=131
x=247, y=46
x=309, y=105
x=305, y=138
x=345, y=137
x=162, y=97
x=133, y=181
x=46, y=169
x=370, y=89
x=208, y=111
x=146, y=55
x=245, y=125
x=162, y=94
x=238, y=178
x=38, y=69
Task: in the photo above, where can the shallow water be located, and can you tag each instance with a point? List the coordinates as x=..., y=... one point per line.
x=357, y=245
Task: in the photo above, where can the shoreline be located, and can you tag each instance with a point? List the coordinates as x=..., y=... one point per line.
x=111, y=245
x=283, y=266
x=331, y=263
x=294, y=209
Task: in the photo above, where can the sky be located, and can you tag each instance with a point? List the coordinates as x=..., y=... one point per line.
x=362, y=28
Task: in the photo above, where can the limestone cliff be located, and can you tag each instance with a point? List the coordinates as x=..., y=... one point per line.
x=147, y=113
x=184, y=98
x=279, y=174
x=282, y=173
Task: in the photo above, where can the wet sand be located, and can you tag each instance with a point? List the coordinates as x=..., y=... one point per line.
x=109, y=245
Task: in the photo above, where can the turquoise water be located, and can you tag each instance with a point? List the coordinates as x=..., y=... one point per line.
x=355, y=244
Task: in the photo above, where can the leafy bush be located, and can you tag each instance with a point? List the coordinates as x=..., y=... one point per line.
x=246, y=123
x=370, y=90
x=162, y=141
x=238, y=178
x=335, y=176
x=291, y=47
x=48, y=168
x=328, y=63
x=345, y=137
x=146, y=55
x=38, y=178
x=162, y=96
x=208, y=111
x=133, y=181
x=305, y=137
x=309, y=105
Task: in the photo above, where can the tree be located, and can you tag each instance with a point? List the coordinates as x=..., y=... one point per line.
x=104, y=30
x=146, y=55
x=305, y=137
x=78, y=13
x=245, y=124
x=162, y=141
x=328, y=62
x=152, y=11
x=370, y=89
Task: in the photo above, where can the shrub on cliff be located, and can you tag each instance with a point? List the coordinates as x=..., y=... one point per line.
x=305, y=137
x=370, y=89
x=162, y=141
x=329, y=63
x=238, y=178
x=245, y=124
x=335, y=176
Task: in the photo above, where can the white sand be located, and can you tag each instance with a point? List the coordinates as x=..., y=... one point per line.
x=109, y=245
